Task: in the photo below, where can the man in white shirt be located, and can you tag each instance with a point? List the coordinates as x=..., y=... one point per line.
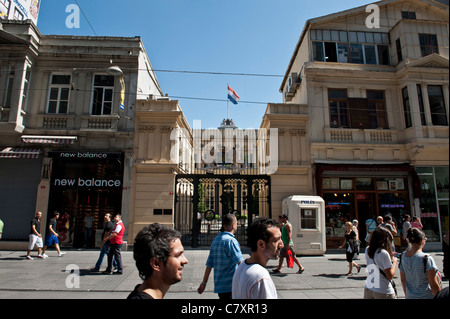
x=251, y=279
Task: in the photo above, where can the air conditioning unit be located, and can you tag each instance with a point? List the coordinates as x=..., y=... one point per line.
x=294, y=82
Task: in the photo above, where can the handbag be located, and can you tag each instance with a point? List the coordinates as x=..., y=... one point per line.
x=289, y=258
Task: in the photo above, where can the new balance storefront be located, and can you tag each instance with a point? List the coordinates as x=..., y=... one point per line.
x=84, y=186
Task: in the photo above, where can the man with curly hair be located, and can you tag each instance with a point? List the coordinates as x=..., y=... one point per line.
x=160, y=260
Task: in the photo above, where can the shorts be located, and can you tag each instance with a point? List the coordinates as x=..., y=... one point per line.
x=34, y=240
x=284, y=250
x=51, y=240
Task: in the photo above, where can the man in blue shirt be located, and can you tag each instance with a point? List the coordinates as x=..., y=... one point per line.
x=224, y=256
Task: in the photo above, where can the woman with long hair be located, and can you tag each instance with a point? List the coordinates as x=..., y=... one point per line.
x=351, y=247
x=418, y=272
x=381, y=265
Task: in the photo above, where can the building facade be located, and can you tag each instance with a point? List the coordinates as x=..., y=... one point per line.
x=363, y=124
x=67, y=128
x=377, y=97
x=20, y=10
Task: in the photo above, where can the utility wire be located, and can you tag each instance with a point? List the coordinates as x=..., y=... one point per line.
x=84, y=15
x=220, y=73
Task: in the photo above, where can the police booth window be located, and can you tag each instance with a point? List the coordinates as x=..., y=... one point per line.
x=308, y=218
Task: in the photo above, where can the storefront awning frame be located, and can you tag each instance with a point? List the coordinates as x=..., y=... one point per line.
x=19, y=153
x=49, y=140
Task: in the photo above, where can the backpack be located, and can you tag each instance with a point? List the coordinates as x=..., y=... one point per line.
x=425, y=261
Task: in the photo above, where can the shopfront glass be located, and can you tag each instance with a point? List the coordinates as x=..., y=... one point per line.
x=434, y=201
x=83, y=189
x=362, y=198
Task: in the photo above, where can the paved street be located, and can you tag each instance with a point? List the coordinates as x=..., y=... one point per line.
x=52, y=278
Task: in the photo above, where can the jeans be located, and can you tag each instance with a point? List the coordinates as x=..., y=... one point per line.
x=103, y=252
x=115, y=252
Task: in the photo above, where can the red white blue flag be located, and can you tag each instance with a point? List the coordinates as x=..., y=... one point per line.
x=232, y=95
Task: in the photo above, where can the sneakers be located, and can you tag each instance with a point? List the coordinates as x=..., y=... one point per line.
x=44, y=256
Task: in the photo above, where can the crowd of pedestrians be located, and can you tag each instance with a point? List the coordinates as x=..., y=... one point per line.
x=160, y=260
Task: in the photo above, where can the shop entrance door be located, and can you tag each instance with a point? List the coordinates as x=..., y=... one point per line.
x=364, y=212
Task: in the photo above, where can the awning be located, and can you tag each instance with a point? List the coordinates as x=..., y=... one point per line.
x=19, y=152
x=53, y=140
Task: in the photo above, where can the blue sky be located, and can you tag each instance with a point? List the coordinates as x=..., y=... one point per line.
x=234, y=36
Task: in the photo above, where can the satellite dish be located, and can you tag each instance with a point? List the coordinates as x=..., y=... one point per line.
x=114, y=70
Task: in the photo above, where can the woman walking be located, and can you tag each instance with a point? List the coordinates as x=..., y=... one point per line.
x=418, y=272
x=351, y=247
x=381, y=265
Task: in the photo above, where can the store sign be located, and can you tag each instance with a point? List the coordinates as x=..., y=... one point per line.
x=85, y=155
x=92, y=182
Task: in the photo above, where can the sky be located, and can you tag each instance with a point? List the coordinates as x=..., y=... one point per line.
x=214, y=36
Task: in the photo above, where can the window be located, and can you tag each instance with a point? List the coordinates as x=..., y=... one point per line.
x=371, y=54
x=318, y=51
x=356, y=54
x=383, y=54
x=350, y=47
x=58, y=101
x=377, y=109
x=157, y=211
x=343, y=53
x=10, y=86
x=406, y=107
x=330, y=52
x=437, y=106
x=18, y=15
x=428, y=44
x=308, y=218
x=398, y=46
x=4, y=8
x=361, y=113
x=421, y=105
x=338, y=107
x=26, y=87
x=408, y=15
x=103, y=95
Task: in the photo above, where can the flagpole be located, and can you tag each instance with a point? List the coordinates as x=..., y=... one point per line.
x=228, y=100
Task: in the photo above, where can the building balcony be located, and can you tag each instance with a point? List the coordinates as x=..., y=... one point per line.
x=107, y=123
x=366, y=136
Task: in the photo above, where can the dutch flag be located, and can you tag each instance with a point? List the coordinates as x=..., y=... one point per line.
x=232, y=95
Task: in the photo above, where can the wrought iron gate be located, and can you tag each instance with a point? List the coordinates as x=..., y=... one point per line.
x=202, y=200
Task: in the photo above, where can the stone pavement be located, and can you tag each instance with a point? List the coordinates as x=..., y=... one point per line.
x=51, y=278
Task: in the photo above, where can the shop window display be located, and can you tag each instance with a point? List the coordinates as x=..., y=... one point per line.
x=362, y=198
x=434, y=201
x=338, y=210
x=83, y=190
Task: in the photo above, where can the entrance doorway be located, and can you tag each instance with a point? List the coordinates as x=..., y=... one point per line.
x=202, y=200
x=365, y=211
x=84, y=187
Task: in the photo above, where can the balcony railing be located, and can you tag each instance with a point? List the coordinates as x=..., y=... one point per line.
x=86, y=122
x=347, y=135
